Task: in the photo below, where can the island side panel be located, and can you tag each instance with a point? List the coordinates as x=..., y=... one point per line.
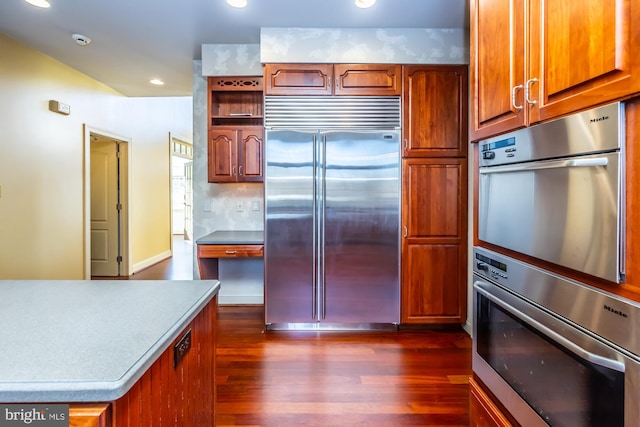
x=176, y=396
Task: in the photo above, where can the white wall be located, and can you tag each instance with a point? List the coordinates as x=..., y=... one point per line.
x=41, y=163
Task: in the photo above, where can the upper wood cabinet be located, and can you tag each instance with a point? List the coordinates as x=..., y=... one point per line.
x=333, y=79
x=235, y=154
x=435, y=111
x=568, y=56
x=235, y=131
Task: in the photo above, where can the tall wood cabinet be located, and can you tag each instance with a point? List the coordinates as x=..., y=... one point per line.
x=333, y=79
x=235, y=134
x=566, y=57
x=434, y=195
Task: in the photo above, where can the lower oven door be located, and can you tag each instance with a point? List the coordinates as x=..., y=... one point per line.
x=565, y=211
x=547, y=372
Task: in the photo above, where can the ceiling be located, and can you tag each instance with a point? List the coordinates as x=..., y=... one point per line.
x=134, y=41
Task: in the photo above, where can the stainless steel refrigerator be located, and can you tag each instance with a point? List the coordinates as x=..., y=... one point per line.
x=332, y=212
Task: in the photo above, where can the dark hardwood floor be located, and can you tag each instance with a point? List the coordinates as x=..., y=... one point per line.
x=377, y=379
x=327, y=379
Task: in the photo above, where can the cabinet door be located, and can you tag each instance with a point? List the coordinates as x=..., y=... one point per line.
x=582, y=53
x=250, y=148
x=368, y=79
x=482, y=411
x=222, y=156
x=497, y=66
x=435, y=111
x=298, y=79
x=434, y=207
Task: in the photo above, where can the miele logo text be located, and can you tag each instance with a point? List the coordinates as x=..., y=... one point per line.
x=599, y=119
x=614, y=311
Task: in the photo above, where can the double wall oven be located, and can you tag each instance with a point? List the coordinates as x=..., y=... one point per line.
x=552, y=350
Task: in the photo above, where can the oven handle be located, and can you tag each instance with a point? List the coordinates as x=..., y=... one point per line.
x=556, y=164
x=481, y=288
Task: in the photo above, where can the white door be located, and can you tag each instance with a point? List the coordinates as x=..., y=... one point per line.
x=105, y=245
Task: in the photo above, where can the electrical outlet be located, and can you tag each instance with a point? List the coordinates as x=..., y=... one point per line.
x=255, y=205
x=239, y=207
x=207, y=205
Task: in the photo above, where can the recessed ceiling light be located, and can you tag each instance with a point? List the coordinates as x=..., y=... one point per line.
x=237, y=3
x=80, y=39
x=39, y=3
x=365, y=3
x=156, y=82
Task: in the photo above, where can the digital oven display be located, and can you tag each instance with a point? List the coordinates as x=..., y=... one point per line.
x=492, y=262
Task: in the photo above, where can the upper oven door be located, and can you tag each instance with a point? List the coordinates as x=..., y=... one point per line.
x=565, y=211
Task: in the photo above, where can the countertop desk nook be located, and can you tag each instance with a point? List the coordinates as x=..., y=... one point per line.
x=227, y=244
x=119, y=353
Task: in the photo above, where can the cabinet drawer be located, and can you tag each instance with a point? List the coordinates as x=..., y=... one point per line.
x=230, y=251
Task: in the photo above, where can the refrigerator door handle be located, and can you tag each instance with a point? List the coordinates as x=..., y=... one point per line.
x=316, y=244
x=323, y=205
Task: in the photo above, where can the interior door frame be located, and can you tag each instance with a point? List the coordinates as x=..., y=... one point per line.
x=177, y=138
x=126, y=268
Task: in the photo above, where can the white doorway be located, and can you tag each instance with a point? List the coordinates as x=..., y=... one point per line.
x=107, y=199
x=181, y=188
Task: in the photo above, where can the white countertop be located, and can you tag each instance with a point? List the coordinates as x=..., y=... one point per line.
x=232, y=237
x=89, y=341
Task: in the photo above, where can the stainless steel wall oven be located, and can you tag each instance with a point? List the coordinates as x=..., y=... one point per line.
x=553, y=351
x=555, y=191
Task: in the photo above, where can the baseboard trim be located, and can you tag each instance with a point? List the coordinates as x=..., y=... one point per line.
x=139, y=266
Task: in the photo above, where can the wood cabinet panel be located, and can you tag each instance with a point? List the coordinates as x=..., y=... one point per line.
x=250, y=149
x=554, y=58
x=482, y=411
x=497, y=65
x=235, y=154
x=222, y=155
x=434, y=194
x=434, y=207
x=186, y=392
x=298, y=79
x=333, y=79
x=583, y=54
x=230, y=251
x=435, y=111
x=90, y=415
x=368, y=79
x=432, y=286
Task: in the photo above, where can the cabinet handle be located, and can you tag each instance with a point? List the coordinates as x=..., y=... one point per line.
x=233, y=171
x=240, y=170
x=406, y=144
x=406, y=232
x=526, y=91
x=230, y=252
x=513, y=97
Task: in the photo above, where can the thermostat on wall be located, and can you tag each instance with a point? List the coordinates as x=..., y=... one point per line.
x=59, y=107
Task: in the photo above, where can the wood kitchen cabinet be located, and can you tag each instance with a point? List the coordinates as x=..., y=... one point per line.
x=333, y=79
x=235, y=155
x=434, y=249
x=435, y=111
x=566, y=57
x=235, y=133
x=483, y=412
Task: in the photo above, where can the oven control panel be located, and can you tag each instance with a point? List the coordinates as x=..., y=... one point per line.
x=500, y=151
x=490, y=267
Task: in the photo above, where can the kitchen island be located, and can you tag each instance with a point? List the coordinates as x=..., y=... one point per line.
x=118, y=352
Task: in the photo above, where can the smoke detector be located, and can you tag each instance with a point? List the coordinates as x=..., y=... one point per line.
x=81, y=40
